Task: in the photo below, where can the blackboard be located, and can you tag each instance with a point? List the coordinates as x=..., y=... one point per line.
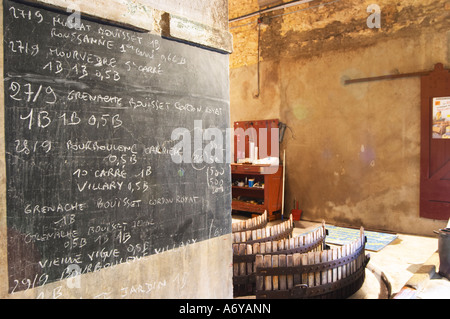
x=94, y=177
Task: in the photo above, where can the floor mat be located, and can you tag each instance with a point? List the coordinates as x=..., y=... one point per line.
x=375, y=240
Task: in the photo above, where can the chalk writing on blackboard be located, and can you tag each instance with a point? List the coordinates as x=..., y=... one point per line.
x=90, y=109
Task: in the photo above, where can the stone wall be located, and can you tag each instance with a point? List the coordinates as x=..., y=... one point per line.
x=352, y=151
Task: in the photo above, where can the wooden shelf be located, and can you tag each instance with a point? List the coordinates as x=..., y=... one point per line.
x=248, y=188
x=248, y=207
x=248, y=133
x=271, y=194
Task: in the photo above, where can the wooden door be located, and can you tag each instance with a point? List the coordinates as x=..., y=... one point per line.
x=435, y=145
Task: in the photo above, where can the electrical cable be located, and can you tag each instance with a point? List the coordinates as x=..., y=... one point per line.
x=283, y=14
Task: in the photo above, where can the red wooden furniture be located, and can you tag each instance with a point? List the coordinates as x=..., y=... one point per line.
x=435, y=152
x=259, y=198
x=264, y=147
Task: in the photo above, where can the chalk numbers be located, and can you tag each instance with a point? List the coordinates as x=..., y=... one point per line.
x=29, y=15
x=27, y=283
x=42, y=119
x=32, y=94
x=123, y=159
x=74, y=107
x=105, y=119
x=27, y=147
x=35, y=118
x=23, y=47
x=215, y=180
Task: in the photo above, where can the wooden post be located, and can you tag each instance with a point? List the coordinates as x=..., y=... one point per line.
x=324, y=258
x=307, y=239
x=249, y=267
x=281, y=245
x=275, y=279
x=353, y=248
x=298, y=241
x=334, y=254
x=339, y=270
x=274, y=245
x=242, y=266
x=344, y=267
x=282, y=262
x=235, y=265
x=310, y=274
x=330, y=271
x=262, y=247
x=297, y=262
x=317, y=274
x=259, y=261
x=362, y=243
x=304, y=275
x=268, y=279
x=290, y=278
x=268, y=247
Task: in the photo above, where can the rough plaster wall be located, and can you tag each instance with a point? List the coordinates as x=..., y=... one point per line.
x=320, y=26
x=195, y=270
x=356, y=148
x=353, y=151
x=244, y=88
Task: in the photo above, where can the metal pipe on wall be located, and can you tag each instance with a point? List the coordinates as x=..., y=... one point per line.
x=277, y=7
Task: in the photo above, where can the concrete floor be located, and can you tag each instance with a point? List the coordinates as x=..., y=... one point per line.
x=407, y=265
x=435, y=288
x=405, y=269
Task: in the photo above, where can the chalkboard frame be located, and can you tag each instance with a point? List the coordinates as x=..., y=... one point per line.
x=211, y=222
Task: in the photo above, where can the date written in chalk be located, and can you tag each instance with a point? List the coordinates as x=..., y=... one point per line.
x=239, y=308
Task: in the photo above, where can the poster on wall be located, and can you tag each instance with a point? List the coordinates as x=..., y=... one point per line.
x=441, y=118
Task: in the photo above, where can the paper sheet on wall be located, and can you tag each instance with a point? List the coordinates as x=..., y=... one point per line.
x=441, y=117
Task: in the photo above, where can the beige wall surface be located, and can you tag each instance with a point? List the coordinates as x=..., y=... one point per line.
x=352, y=151
x=212, y=12
x=190, y=270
